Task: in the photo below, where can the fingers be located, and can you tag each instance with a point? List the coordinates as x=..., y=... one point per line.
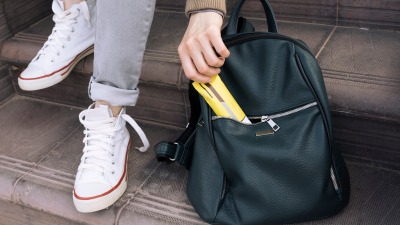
x=202, y=50
x=191, y=71
x=209, y=55
x=220, y=48
x=199, y=60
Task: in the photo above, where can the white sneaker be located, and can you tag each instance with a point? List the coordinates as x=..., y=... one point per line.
x=102, y=175
x=71, y=40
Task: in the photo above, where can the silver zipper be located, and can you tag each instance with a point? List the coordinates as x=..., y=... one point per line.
x=275, y=126
x=271, y=123
x=287, y=113
x=269, y=120
x=334, y=181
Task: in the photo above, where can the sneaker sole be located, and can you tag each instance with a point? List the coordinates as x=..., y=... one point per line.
x=48, y=80
x=102, y=201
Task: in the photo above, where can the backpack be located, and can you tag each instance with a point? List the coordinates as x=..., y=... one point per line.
x=282, y=168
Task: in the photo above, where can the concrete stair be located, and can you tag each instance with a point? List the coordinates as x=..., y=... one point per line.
x=40, y=136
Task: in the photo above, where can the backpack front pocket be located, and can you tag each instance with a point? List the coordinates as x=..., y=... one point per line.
x=267, y=165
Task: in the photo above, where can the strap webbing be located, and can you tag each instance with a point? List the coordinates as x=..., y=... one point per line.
x=181, y=150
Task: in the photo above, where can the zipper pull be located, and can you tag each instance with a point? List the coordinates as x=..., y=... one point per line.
x=273, y=125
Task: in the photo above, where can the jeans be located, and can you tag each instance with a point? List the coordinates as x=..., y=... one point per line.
x=122, y=29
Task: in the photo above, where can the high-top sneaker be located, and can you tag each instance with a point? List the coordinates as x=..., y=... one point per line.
x=71, y=40
x=102, y=174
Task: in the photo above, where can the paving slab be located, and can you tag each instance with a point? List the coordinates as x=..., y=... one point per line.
x=361, y=70
x=14, y=214
x=163, y=196
x=6, y=85
x=30, y=130
x=314, y=35
x=43, y=196
x=375, y=197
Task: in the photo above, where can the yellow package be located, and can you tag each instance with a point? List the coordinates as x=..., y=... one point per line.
x=221, y=100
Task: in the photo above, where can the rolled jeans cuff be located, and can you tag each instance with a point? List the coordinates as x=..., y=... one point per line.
x=113, y=95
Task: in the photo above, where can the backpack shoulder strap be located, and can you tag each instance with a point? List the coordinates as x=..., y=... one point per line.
x=181, y=149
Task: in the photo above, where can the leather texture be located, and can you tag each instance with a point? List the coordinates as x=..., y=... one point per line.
x=292, y=175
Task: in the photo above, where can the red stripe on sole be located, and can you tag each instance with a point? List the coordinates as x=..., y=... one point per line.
x=69, y=64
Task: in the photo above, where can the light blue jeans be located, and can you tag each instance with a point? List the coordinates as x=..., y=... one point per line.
x=122, y=28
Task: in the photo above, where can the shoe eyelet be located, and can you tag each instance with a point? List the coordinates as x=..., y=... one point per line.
x=52, y=60
x=113, y=172
x=113, y=162
x=69, y=38
x=63, y=46
x=73, y=30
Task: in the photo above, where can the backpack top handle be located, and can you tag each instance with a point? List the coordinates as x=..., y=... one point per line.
x=233, y=21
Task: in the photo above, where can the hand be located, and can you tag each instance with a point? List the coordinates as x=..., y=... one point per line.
x=199, y=45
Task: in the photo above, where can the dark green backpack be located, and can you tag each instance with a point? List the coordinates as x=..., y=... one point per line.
x=283, y=168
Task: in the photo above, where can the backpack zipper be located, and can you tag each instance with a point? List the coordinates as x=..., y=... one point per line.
x=269, y=118
x=275, y=126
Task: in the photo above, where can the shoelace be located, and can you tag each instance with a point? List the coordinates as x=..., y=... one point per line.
x=64, y=22
x=99, y=142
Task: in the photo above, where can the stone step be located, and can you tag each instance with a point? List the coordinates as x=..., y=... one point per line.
x=353, y=60
x=20, y=14
x=360, y=69
x=41, y=144
x=6, y=86
x=38, y=167
x=38, y=156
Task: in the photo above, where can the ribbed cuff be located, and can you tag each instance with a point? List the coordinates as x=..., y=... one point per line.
x=198, y=5
x=205, y=10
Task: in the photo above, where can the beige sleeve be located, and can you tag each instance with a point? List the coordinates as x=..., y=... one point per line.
x=198, y=5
